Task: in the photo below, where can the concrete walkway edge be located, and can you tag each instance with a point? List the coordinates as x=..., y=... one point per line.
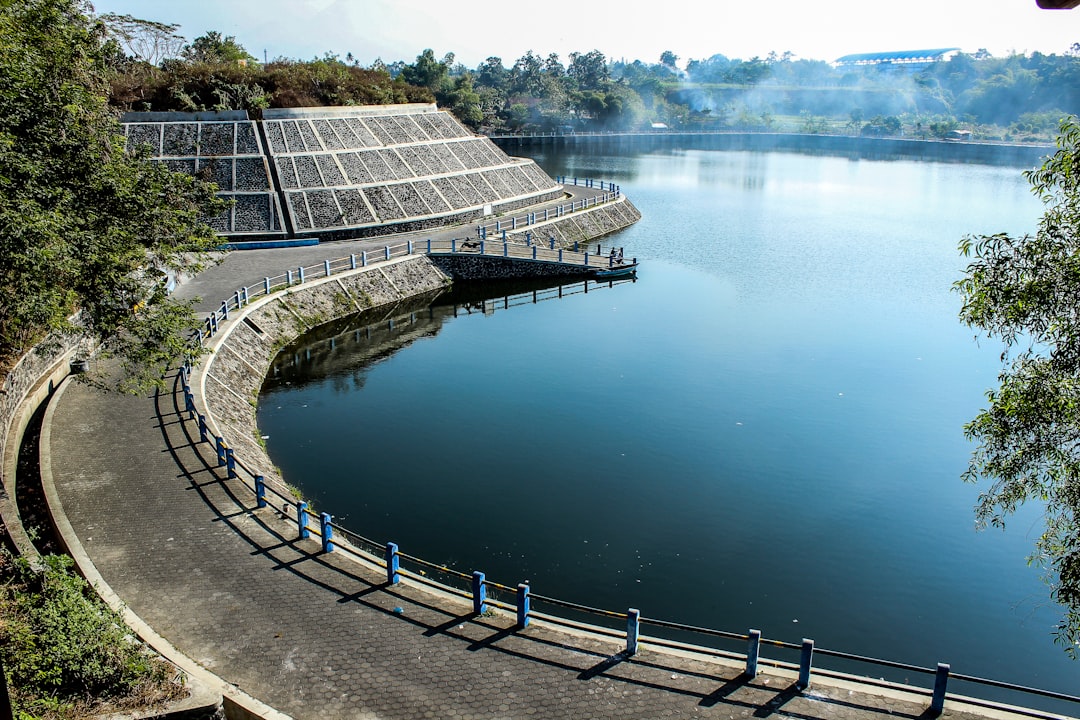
x=243, y=705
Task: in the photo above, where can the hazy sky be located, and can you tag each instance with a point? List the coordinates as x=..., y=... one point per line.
x=630, y=29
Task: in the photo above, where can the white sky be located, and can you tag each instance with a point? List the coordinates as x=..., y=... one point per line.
x=630, y=29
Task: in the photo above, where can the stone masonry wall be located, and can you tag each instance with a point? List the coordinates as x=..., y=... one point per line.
x=235, y=372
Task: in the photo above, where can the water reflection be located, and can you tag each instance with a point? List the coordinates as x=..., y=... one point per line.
x=345, y=350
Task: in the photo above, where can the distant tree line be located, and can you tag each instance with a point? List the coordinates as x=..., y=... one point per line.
x=1019, y=97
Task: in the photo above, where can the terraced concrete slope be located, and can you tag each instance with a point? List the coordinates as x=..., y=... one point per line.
x=342, y=172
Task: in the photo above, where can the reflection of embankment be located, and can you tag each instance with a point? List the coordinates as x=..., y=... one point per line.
x=347, y=347
x=850, y=146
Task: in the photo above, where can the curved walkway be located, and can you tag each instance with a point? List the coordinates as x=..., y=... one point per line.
x=319, y=637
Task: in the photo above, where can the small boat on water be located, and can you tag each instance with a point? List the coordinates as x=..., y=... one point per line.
x=615, y=271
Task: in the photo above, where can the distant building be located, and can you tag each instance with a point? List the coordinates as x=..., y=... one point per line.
x=907, y=59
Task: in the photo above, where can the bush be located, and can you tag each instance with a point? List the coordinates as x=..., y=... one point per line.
x=65, y=652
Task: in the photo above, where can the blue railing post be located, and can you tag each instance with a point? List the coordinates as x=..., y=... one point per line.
x=545, y=214
x=288, y=277
x=753, y=649
x=453, y=245
x=225, y=309
x=411, y=247
x=363, y=258
x=326, y=267
x=302, y=519
x=479, y=593
x=506, y=249
x=260, y=491
x=300, y=274
x=203, y=431
x=586, y=258
x=230, y=463
x=805, y=661
x=483, y=232
x=513, y=223
x=560, y=254
x=239, y=299
x=504, y=235
x=482, y=247
x=386, y=252
x=352, y=257
x=523, y=604
x=327, y=532
x=552, y=242
x=534, y=251
x=219, y=443
x=941, y=681
x=429, y=246
x=266, y=285
x=528, y=237
x=498, y=227
x=633, y=627
x=393, y=564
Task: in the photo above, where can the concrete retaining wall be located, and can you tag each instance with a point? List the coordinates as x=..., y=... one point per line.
x=241, y=359
x=29, y=383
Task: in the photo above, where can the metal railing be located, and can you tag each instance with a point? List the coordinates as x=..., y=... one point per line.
x=485, y=594
x=524, y=249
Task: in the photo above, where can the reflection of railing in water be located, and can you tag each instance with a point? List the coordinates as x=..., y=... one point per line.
x=581, y=287
x=386, y=333
x=484, y=594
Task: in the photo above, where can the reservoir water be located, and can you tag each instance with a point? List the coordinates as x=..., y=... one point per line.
x=764, y=430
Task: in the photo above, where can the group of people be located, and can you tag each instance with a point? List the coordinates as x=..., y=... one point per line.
x=615, y=258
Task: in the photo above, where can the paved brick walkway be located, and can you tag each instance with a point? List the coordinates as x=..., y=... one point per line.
x=317, y=636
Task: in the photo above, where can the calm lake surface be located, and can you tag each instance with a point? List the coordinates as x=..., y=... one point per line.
x=765, y=430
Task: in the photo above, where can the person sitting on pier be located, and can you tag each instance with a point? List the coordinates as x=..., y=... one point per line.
x=611, y=258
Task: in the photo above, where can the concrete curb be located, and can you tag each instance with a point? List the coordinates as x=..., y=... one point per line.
x=238, y=704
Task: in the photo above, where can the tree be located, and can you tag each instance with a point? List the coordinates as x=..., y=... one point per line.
x=590, y=70
x=492, y=74
x=427, y=71
x=214, y=49
x=144, y=39
x=1024, y=291
x=84, y=224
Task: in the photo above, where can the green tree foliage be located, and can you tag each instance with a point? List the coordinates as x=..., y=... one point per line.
x=1024, y=291
x=212, y=48
x=427, y=72
x=64, y=650
x=197, y=86
x=84, y=225
x=589, y=71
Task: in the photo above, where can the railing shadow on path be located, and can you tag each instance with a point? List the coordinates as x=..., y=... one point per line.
x=581, y=661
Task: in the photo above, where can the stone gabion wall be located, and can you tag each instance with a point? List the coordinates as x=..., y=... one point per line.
x=341, y=171
x=478, y=267
x=229, y=153
x=235, y=372
x=406, y=166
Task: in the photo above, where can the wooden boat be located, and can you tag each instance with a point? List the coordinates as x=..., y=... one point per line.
x=615, y=271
